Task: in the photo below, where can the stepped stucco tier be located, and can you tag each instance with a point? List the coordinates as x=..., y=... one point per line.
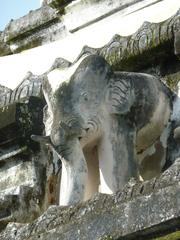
x=47, y=24
x=141, y=211
x=19, y=167
x=153, y=42
x=128, y=53
x=31, y=172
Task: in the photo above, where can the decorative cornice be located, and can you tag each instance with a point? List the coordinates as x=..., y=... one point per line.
x=31, y=21
x=30, y=86
x=31, y=30
x=46, y=24
x=142, y=47
x=151, y=44
x=58, y=4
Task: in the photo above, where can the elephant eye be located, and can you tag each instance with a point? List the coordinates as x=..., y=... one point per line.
x=84, y=96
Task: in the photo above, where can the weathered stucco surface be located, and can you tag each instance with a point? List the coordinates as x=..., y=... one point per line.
x=124, y=215
x=141, y=210
x=36, y=60
x=94, y=109
x=21, y=170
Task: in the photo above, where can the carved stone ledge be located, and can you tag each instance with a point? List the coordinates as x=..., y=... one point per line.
x=140, y=214
x=44, y=34
x=32, y=30
x=56, y=3
x=29, y=22
x=4, y=90
x=150, y=44
x=4, y=47
x=44, y=25
x=29, y=87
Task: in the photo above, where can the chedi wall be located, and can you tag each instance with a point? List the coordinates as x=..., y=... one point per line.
x=91, y=122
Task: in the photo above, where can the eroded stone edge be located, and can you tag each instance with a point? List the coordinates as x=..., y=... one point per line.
x=135, y=210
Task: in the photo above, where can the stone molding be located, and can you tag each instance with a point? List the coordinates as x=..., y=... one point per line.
x=59, y=4
x=31, y=30
x=31, y=21
x=46, y=24
x=30, y=86
x=141, y=211
x=151, y=40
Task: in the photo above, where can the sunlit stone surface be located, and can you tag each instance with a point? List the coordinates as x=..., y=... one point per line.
x=38, y=60
x=94, y=134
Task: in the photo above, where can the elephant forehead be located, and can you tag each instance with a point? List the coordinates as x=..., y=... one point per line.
x=89, y=82
x=58, y=76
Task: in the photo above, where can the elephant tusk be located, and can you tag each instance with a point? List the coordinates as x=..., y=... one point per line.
x=177, y=133
x=45, y=140
x=41, y=139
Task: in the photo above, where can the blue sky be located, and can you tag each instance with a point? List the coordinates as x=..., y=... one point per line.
x=13, y=9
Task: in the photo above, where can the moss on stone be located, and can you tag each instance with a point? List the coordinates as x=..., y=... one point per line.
x=172, y=236
x=172, y=80
x=107, y=238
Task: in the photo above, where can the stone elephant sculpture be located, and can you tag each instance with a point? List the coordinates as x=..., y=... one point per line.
x=105, y=126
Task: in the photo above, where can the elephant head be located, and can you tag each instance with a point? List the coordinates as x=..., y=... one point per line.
x=96, y=107
x=91, y=91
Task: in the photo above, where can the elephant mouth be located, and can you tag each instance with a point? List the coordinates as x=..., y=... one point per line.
x=89, y=137
x=47, y=140
x=84, y=133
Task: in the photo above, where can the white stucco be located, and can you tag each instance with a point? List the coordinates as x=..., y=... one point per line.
x=13, y=68
x=58, y=76
x=80, y=13
x=176, y=106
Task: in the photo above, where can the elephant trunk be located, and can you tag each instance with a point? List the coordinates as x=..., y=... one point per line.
x=74, y=175
x=74, y=169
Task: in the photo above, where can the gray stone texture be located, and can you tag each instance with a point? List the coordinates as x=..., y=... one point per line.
x=4, y=47
x=22, y=167
x=34, y=29
x=102, y=109
x=141, y=211
x=29, y=87
x=22, y=117
x=59, y=4
x=141, y=48
x=4, y=90
x=45, y=25
x=28, y=22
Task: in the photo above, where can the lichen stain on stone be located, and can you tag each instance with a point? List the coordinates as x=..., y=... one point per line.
x=172, y=80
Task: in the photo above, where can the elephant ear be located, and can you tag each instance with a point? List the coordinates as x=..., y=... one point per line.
x=48, y=93
x=120, y=95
